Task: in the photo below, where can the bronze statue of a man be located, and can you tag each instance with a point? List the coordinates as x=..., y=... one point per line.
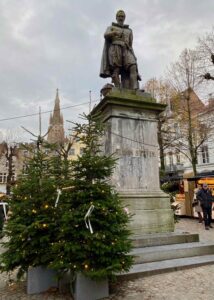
x=118, y=60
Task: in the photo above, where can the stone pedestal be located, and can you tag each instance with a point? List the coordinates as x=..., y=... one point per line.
x=86, y=288
x=131, y=118
x=41, y=279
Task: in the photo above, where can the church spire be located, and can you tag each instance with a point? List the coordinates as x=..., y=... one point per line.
x=56, y=119
x=56, y=129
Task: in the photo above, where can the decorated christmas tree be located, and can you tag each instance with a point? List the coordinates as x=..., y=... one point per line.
x=34, y=221
x=93, y=237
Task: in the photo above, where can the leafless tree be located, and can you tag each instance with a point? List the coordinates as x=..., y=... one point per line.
x=162, y=92
x=184, y=76
x=205, y=51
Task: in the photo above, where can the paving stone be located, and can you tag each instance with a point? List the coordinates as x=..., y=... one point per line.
x=187, y=284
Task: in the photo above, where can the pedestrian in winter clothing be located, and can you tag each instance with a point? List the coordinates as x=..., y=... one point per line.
x=205, y=197
x=1, y=219
x=197, y=206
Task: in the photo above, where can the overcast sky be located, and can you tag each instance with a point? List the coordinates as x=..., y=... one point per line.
x=49, y=44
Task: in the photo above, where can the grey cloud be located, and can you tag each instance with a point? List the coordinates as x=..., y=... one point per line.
x=57, y=44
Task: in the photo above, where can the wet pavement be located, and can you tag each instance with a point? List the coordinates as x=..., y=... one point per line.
x=196, y=283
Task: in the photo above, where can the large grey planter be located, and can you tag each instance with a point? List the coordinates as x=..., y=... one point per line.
x=40, y=279
x=86, y=288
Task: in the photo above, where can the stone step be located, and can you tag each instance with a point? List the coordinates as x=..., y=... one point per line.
x=159, y=239
x=152, y=268
x=166, y=252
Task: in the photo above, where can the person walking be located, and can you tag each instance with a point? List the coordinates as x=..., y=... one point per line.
x=197, y=206
x=1, y=219
x=205, y=197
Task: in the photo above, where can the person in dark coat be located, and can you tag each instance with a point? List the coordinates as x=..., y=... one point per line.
x=1, y=219
x=197, y=206
x=205, y=197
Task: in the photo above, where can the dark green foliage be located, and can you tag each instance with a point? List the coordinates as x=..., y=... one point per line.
x=170, y=187
x=33, y=224
x=104, y=252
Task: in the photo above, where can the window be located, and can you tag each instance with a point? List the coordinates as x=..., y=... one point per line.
x=72, y=151
x=81, y=151
x=205, y=154
x=24, y=168
x=3, y=177
x=13, y=179
x=170, y=159
x=165, y=159
x=25, y=152
x=178, y=157
x=177, y=129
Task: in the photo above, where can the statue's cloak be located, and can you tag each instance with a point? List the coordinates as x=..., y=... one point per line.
x=105, y=66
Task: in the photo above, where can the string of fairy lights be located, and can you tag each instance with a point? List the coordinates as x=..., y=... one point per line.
x=91, y=208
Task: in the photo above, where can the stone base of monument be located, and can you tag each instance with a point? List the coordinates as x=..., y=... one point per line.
x=41, y=279
x=131, y=119
x=151, y=212
x=86, y=288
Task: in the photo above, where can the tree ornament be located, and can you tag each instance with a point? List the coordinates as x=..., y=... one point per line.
x=59, y=192
x=4, y=204
x=87, y=218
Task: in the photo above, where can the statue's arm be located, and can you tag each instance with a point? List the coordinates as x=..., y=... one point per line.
x=110, y=33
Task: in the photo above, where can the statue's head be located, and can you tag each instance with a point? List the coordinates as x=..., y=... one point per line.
x=120, y=16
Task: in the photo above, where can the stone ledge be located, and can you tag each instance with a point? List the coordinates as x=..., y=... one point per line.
x=128, y=98
x=158, y=239
x=148, y=269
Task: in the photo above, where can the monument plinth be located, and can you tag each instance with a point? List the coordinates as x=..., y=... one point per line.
x=131, y=134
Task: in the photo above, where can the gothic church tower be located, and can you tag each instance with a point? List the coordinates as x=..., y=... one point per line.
x=56, y=133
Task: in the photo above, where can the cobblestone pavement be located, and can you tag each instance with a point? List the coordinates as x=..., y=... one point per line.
x=196, y=283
